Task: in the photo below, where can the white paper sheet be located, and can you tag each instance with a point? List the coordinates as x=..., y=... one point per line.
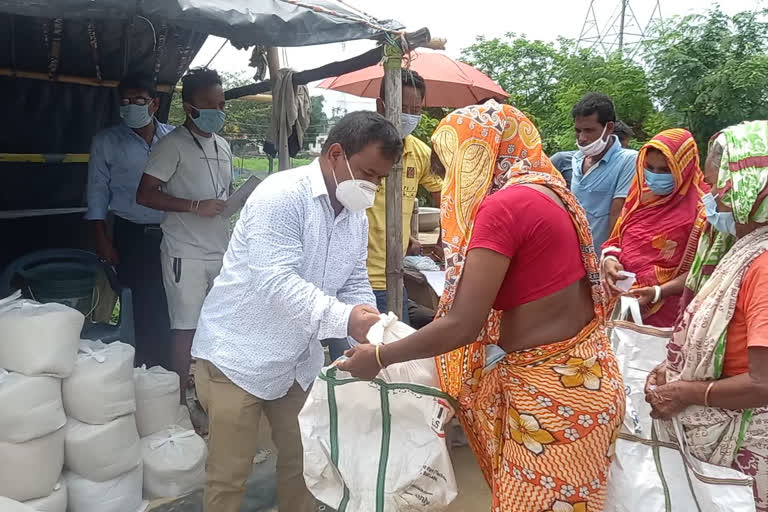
x=436, y=279
x=240, y=196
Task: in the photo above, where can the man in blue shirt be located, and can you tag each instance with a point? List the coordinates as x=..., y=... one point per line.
x=118, y=157
x=602, y=169
x=563, y=162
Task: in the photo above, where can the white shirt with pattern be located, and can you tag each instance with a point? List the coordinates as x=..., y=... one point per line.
x=292, y=273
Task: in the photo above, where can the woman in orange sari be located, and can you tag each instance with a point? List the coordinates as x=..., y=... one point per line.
x=520, y=335
x=658, y=232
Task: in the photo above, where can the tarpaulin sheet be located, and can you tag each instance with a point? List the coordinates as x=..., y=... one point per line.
x=244, y=22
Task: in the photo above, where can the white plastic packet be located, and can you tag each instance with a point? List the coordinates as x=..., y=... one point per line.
x=102, y=452
x=174, y=462
x=626, y=280
x=54, y=502
x=157, y=399
x=122, y=494
x=101, y=386
x=30, y=407
x=9, y=505
x=30, y=470
x=38, y=339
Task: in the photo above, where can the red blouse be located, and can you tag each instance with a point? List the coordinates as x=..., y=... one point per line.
x=537, y=235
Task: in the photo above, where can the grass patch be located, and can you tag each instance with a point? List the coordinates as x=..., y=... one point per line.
x=262, y=163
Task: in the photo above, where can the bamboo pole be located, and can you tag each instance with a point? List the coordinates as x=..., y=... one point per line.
x=70, y=79
x=393, y=106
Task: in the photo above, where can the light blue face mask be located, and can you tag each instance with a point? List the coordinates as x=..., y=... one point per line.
x=660, y=184
x=721, y=221
x=209, y=120
x=135, y=116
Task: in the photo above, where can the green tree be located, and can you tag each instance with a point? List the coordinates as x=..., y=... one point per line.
x=318, y=123
x=545, y=80
x=711, y=71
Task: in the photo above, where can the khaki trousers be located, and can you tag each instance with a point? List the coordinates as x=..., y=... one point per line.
x=235, y=416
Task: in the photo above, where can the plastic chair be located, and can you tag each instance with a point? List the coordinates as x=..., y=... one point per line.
x=122, y=331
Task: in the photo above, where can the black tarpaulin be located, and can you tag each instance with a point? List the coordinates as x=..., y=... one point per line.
x=244, y=22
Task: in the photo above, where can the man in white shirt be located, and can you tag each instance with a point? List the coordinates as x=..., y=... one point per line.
x=189, y=176
x=294, y=274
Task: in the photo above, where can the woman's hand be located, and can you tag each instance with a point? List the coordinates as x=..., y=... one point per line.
x=611, y=269
x=657, y=377
x=644, y=295
x=667, y=400
x=361, y=362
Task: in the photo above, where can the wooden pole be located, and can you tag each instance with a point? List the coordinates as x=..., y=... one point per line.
x=69, y=79
x=393, y=106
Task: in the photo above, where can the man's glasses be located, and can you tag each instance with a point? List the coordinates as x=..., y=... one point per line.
x=135, y=100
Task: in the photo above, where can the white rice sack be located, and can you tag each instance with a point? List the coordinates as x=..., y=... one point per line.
x=100, y=388
x=9, y=505
x=30, y=470
x=38, y=339
x=174, y=462
x=182, y=418
x=123, y=494
x=55, y=502
x=30, y=407
x=157, y=399
x=102, y=452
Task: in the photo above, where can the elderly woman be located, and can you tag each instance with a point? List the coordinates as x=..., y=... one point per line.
x=658, y=231
x=520, y=338
x=715, y=379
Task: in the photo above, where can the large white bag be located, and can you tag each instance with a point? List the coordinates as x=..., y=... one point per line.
x=30, y=470
x=101, y=387
x=102, y=452
x=157, y=399
x=174, y=462
x=123, y=494
x=38, y=339
x=183, y=419
x=30, y=407
x=639, y=349
x=661, y=474
x=378, y=446
x=55, y=502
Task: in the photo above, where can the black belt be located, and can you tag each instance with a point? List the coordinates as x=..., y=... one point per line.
x=147, y=228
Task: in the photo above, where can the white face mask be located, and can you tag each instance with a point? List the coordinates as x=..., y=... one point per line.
x=408, y=123
x=596, y=147
x=354, y=195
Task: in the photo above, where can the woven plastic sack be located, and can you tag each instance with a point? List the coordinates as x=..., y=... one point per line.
x=30, y=407
x=379, y=446
x=38, y=339
x=157, y=399
x=30, y=470
x=122, y=494
x=174, y=462
x=102, y=452
x=54, y=502
x=101, y=387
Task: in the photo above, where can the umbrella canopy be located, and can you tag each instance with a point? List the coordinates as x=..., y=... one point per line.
x=450, y=83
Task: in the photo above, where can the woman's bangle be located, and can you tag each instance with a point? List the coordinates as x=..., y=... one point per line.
x=706, y=393
x=378, y=357
x=657, y=297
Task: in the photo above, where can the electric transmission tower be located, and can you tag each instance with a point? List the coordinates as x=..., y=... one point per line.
x=622, y=32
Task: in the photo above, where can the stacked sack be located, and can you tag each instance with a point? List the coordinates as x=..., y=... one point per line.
x=173, y=455
x=38, y=345
x=102, y=451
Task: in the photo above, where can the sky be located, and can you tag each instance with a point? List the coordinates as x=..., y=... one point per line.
x=539, y=19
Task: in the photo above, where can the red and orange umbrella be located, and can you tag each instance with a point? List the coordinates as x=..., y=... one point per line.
x=450, y=83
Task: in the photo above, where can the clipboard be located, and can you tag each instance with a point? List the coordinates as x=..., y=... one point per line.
x=240, y=196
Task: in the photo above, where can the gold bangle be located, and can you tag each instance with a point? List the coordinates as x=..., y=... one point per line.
x=706, y=393
x=378, y=356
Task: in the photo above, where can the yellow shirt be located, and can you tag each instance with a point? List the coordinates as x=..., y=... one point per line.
x=416, y=171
